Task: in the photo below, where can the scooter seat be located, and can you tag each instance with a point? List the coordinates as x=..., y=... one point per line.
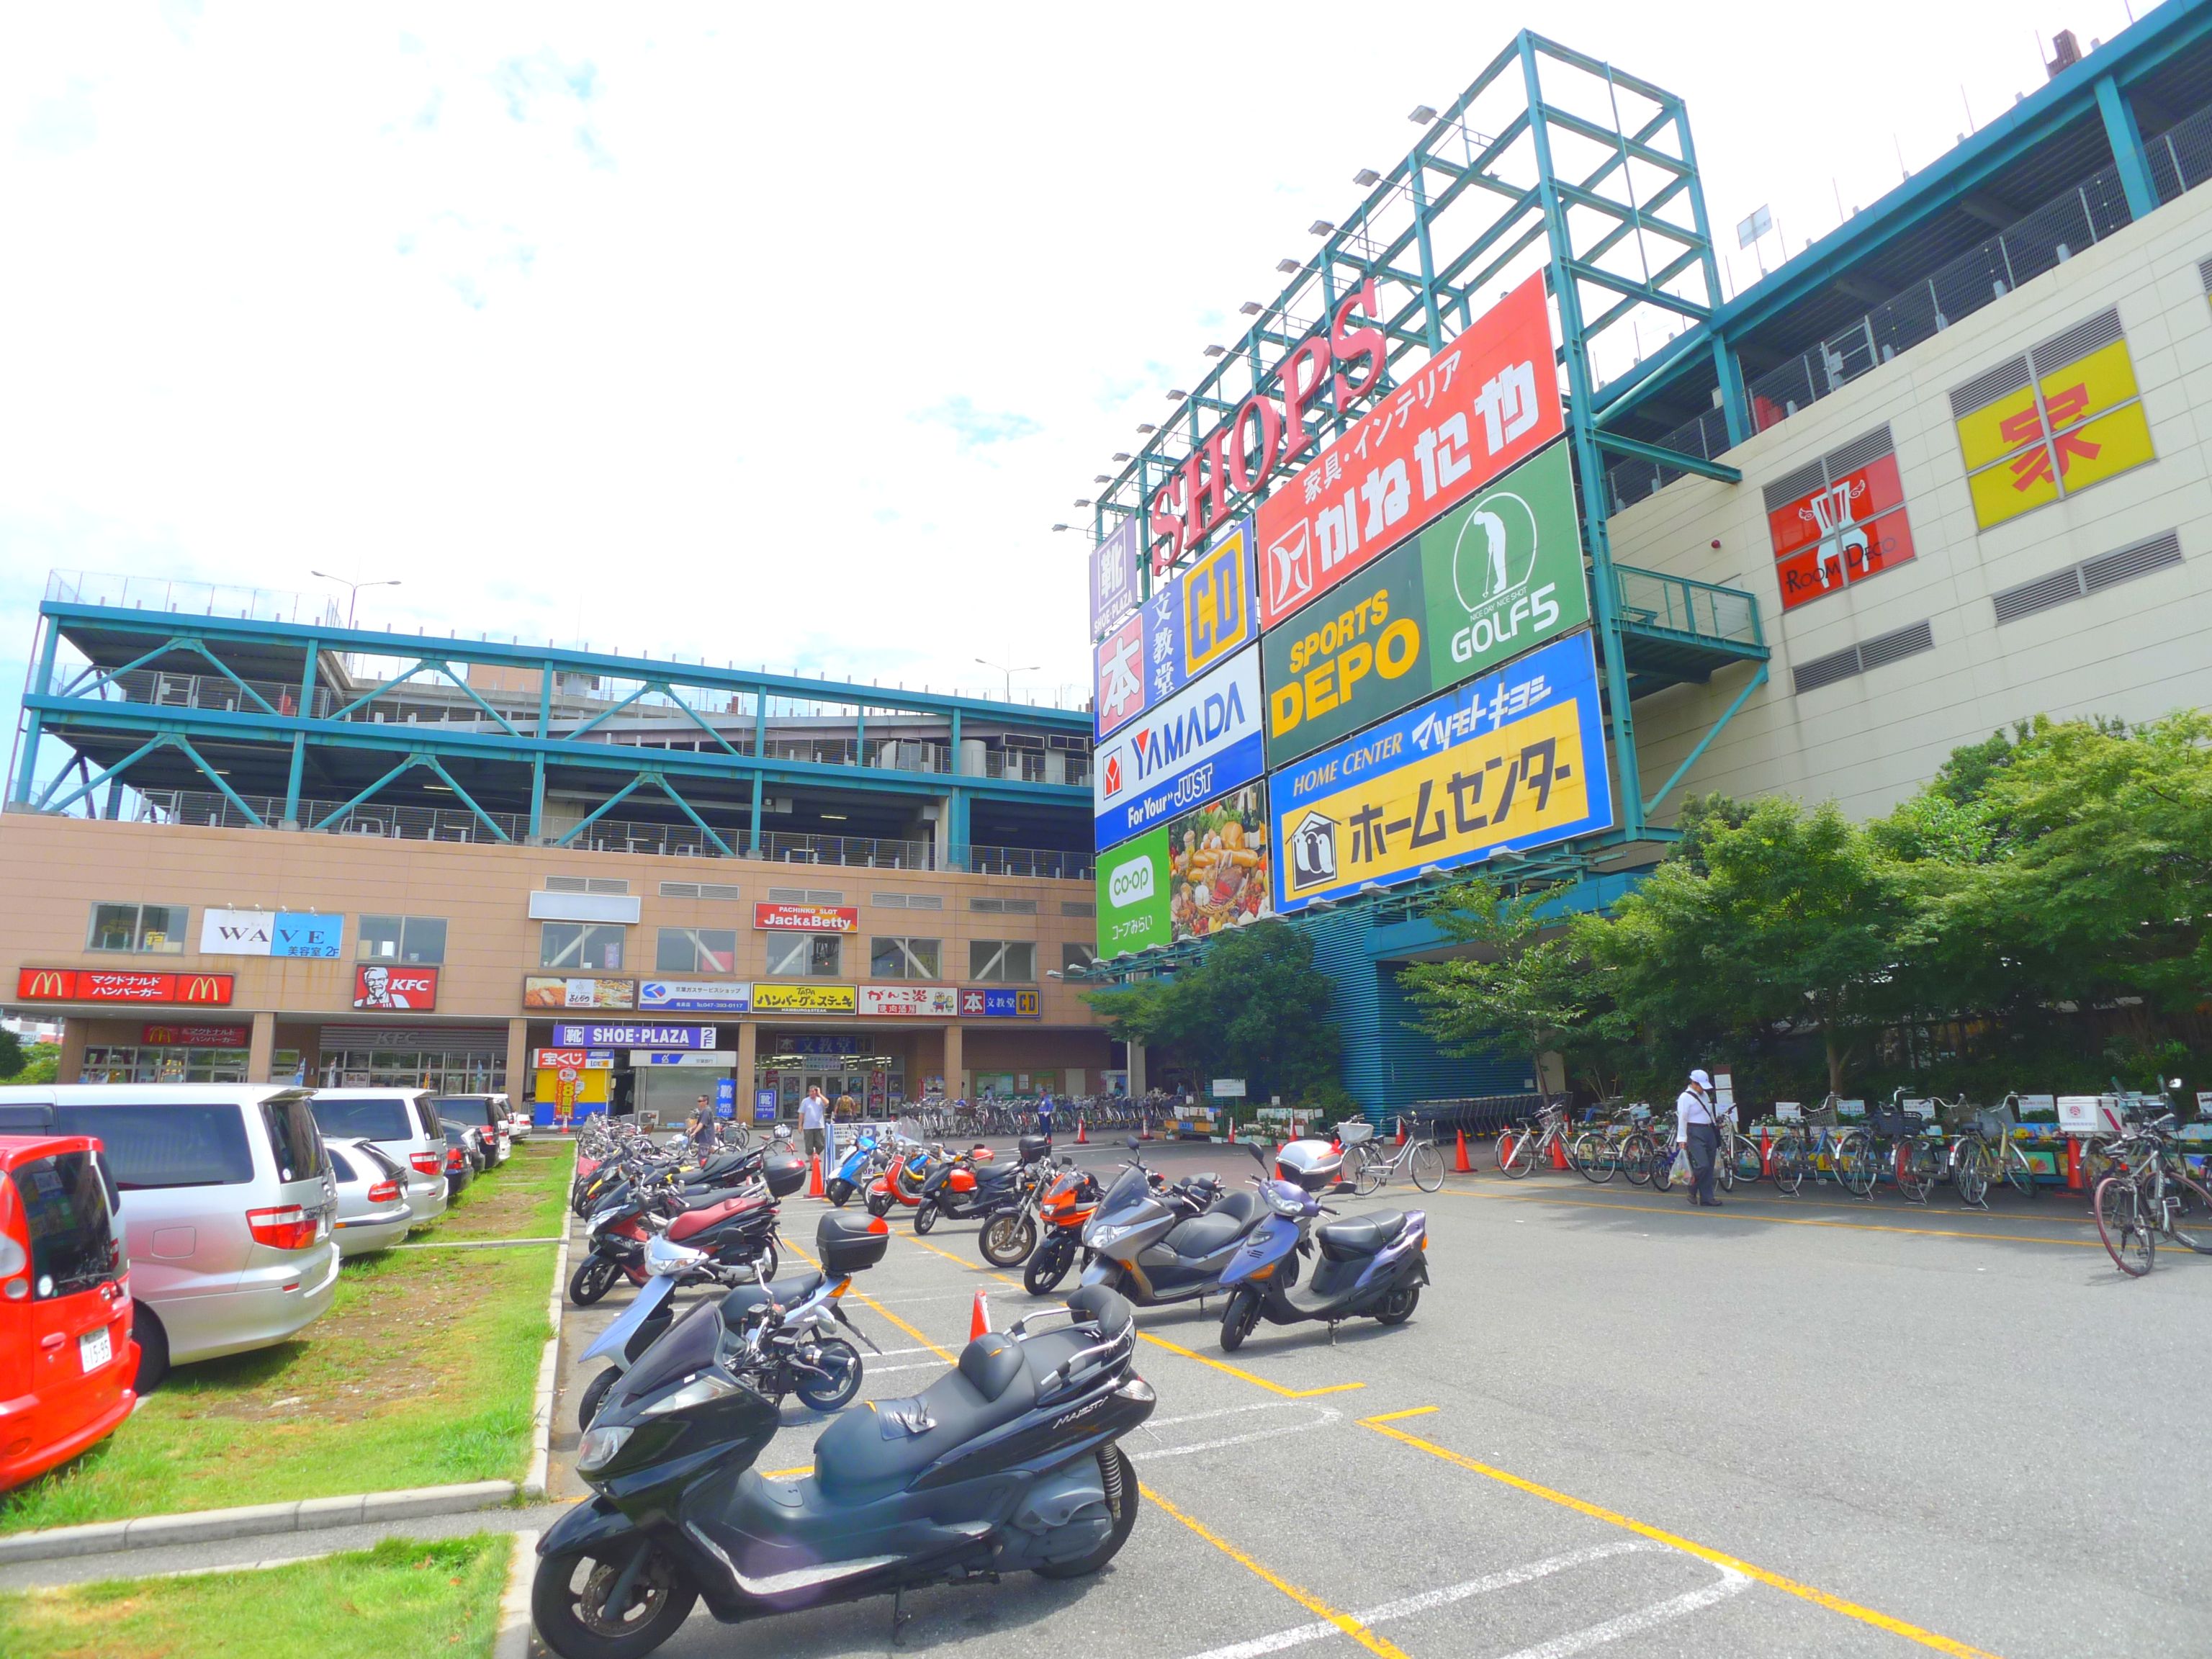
x=1362, y=1234
x=1202, y=1234
x=737, y=1304
x=895, y=1440
x=692, y=1223
x=707, y=1200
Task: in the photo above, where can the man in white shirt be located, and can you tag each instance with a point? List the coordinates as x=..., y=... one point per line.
x=1699, y=1130
x=811, y=1114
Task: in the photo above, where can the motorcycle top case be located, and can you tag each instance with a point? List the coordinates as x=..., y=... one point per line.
x=1033, y=1147
x=847, y=1243
x=1312, y=1165
x=784, y=1175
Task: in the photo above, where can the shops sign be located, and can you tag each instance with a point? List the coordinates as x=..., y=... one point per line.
x=106, y=985
x=806, y=918
x=637, y=1037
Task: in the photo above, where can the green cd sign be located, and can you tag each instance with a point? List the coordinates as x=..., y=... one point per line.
x=1132, y=895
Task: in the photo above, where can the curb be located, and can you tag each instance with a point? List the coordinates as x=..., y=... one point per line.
x=549, y=1365
x=512, y=1639
x=254, y=1520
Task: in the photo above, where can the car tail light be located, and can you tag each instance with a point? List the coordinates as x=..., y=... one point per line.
x=384, y=1191
x=424, y=1163
x=289, y=1227
x=456, y=1158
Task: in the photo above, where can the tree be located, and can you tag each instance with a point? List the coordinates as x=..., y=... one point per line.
x=1254, y=1006
x=22, y=1064
x=11, y=1054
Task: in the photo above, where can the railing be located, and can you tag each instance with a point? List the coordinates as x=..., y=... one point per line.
x=189, y=598
x=2179, y=160
x=1647, y=599
x=210, y=808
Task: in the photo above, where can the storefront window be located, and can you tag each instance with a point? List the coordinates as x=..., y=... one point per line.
x=159, y=928
x=401, y=938
x=997, y=961
x=448, y=1071
x=803, y=955
x=581, y=944
x=150, y=1063
x=904, y=958
x=696, y=951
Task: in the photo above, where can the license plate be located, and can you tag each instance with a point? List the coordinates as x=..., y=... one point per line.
x=94, y=1350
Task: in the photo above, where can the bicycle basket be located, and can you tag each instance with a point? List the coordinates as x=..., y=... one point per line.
x=1823, y=1116
x=1992, y=1123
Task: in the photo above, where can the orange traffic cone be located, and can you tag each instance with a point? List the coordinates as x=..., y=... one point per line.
x=1460, y=1165
x=979, y=1322
x=1559, y=1154
x=1232, y=1131
x=1401, y=1132
x=814, y=1177
x=1082, y=1134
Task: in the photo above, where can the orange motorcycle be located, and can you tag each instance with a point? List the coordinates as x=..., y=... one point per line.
x=1066, y=1206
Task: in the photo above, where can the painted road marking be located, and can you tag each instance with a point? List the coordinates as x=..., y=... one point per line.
x=1337, y=1621
x=1324, y=1416
x=1730, y=1583
x=1247, y=1376
x=1683, y=1212
x=1882, y=1621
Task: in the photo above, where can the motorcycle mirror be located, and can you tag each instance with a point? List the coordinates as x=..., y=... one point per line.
x=1258, y=1157
x=1132, y=1143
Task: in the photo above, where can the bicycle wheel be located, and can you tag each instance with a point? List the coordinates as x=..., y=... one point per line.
x=1426, y=1166
x=2127, y=1238
x=1724, y=1167
x=2020, y=1170
x=1856, y=1167
x=1593, y=1158
x=1662, y=1163
x=1970, y=1175
x=1635, y=1159
x=1786, y=1160
x=1917, y=1169
x=1373, y=1172
x=1520, y=1158
x=2190, y=1225
x=1750, y=1164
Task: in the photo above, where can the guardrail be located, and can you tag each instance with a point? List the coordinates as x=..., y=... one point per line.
x=1651, y=599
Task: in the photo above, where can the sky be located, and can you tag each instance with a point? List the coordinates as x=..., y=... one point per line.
x=779, y=339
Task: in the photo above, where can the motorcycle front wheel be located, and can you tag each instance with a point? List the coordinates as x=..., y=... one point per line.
x=838, y=1192
x=1006, y=1239
x=924, y=1216
x=569, y=1604
x=1237, y=1319
x=595, y=1392
x=1048, y=1267
x=835, y=1391
x=879, y=1204
x=593, y=1280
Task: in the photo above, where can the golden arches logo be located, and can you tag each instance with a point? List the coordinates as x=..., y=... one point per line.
x=47, y=984
x=205, y=988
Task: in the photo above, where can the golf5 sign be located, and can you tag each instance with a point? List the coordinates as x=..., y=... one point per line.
x=1132, y=895
x=1515, y=759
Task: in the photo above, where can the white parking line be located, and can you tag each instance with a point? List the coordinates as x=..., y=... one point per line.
x=1729, y=1583
x=1324, y=1416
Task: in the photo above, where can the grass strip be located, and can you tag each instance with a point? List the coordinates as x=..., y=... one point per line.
x=402, y=1597
x=525, y=1198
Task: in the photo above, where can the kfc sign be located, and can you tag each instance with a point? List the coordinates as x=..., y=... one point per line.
x=1240, y=455
x=1486, y=401
x=807, y=918
x=375, y=986
x=104, y=985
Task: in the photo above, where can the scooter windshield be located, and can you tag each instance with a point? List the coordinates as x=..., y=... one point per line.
x=1124, y=1196
x=687, y=1346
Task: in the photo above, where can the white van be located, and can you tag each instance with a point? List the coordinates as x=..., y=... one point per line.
x=227, y=1210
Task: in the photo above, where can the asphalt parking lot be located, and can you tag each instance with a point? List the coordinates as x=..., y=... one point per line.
x=1788, y=1426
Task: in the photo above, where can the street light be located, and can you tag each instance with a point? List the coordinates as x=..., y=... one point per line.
x=353, y=595
x=1009, y=673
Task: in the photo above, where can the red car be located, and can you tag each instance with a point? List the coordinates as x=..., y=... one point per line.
x=66, y=1358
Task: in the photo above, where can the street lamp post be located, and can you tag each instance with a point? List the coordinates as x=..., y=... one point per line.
x=1008, y=672
x=353, y=589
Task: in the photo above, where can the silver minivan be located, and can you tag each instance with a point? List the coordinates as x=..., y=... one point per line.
x=404, y=1126
x=227, y=1210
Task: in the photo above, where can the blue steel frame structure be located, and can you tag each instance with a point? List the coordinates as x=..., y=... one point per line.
x=522, y=753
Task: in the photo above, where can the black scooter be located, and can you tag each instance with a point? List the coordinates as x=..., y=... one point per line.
x=1007, y=1463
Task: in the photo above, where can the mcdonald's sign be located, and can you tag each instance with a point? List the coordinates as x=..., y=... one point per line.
x=113, y=985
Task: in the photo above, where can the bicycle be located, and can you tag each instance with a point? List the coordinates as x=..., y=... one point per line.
x=1648, y=1156
x=1796, y=1154
x=1985, y=1153
x=2134, y=1205
x=1600, y=1152
x=1517, y=1152
x=1418, y=1156
x=1912, y=1161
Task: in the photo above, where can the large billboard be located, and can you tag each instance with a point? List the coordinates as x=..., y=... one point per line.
x=1492, y=577
x=1198, y=620
x=1516, y=759
x=1132, y=895
x=1486, y=402
x=1203, y=741
x=1218, y=869
x=1114, y=575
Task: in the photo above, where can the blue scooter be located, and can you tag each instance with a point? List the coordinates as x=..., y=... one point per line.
x=1372, y=1266
x=851, y=1174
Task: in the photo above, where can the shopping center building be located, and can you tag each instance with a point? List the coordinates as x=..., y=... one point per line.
x=257, y=844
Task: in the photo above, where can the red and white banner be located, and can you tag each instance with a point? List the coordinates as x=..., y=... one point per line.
x=110, y=985
x=807, y=918
x=1486, y=401
x=375, y=986
x=909, y=1001
x=1840, y=533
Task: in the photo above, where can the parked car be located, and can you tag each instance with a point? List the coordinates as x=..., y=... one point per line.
x=485, y=1112
x=67, y=1365
x=518, y=1119
x=405, y=1126
x=227, y=1203
x=374, y=1213
x=463, y=1157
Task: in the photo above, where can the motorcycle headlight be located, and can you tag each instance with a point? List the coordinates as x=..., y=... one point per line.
x=600, y=1448
x=707, y=1385
x=1283, y=1204
x=1100, y=1237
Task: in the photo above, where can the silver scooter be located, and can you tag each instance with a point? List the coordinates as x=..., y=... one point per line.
x=1147, y=1250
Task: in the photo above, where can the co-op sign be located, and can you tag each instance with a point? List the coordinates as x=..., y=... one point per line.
x=1204, y=740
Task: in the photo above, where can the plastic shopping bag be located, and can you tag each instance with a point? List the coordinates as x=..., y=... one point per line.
x=1681, y=1171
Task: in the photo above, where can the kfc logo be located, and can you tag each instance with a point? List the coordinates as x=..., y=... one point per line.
x=377, y=987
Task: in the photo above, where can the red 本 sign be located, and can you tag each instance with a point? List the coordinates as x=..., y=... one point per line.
x=120, y=985
x=1486, y=402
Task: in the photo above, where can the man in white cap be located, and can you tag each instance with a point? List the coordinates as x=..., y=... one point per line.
x=1697, y=1129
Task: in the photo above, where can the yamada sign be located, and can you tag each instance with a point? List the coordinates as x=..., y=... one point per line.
x=1202, y=742
x=1491, y=579
x=1487, y=402
x=1515, y=759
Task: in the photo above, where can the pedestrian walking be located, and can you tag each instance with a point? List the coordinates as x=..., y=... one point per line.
x=813, y=1112
x=1698, y=1132
x=1044, y=1115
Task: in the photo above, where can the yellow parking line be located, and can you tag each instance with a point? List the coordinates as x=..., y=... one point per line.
x=1684, y=1212
x=1312, y=1603
x=1247, y=1376
x=1882, y=1621
x=965, y=1266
